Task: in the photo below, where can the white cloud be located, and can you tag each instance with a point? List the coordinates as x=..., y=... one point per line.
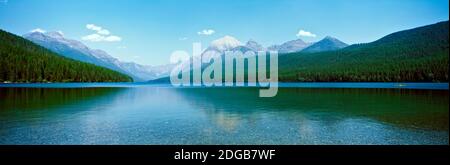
x=100, y=38
x=113, y=38
x=103, y=32
x=93, y=38
x=100, y=35
x=182, y=38
x=98, y=29
x=303, y=33
x=206, y=32
x=38, y=30
x=93, y=27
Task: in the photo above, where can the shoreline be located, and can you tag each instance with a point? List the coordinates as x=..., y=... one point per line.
x=353, y=85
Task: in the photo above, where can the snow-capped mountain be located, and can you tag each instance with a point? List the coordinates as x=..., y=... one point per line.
x=225, y=43
x=74, y=49
x=229, y=43
x=219, y=46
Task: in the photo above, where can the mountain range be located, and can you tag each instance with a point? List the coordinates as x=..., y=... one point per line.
x=76, y=50
x=290, y=46
x=229, y=43
x=415, y=55
x=418, y=54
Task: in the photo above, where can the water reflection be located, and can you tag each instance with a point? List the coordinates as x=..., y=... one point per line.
x=408, y=108
x=164, y=115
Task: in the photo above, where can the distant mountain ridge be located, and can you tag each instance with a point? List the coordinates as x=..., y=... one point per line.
x=229, y=43
x=255, y=46
x=290, y=46
x=298, y=45
x=74, y=49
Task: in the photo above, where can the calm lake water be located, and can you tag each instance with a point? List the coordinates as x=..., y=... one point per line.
x=305, y=113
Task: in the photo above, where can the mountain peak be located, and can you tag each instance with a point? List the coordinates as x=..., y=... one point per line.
x=225, y=43
x=298, y=40
x=255, y=46
x=52, y=34
x=251, y=42
x=292, y=46
x=55, y=34
x=329, y=38
x=332, y=39
x=326, y=44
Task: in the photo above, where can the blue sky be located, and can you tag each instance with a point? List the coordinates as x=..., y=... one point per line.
x=148, y=31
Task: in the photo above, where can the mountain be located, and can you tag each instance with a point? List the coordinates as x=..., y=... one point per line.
x=74, y=49
x=254, y=46
x=273, y=48
x=224, y=43
x=67, y=48
x=147, y=72
x=415, y=55
x=217, y=48
x=25, y=61
x=290, y=46
x=229, y=43
x=326, y=44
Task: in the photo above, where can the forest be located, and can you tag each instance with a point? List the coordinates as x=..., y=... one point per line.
x=416, y=55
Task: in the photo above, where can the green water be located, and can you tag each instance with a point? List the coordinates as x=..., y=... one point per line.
x=165, y=115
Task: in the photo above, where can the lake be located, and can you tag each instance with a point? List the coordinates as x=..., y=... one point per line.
x=302, y=113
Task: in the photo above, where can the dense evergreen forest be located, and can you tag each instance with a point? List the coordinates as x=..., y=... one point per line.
x=23, y=61
x=416, y=55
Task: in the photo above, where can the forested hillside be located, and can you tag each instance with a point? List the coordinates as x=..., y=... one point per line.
x=23, y=61
x=416, y=55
